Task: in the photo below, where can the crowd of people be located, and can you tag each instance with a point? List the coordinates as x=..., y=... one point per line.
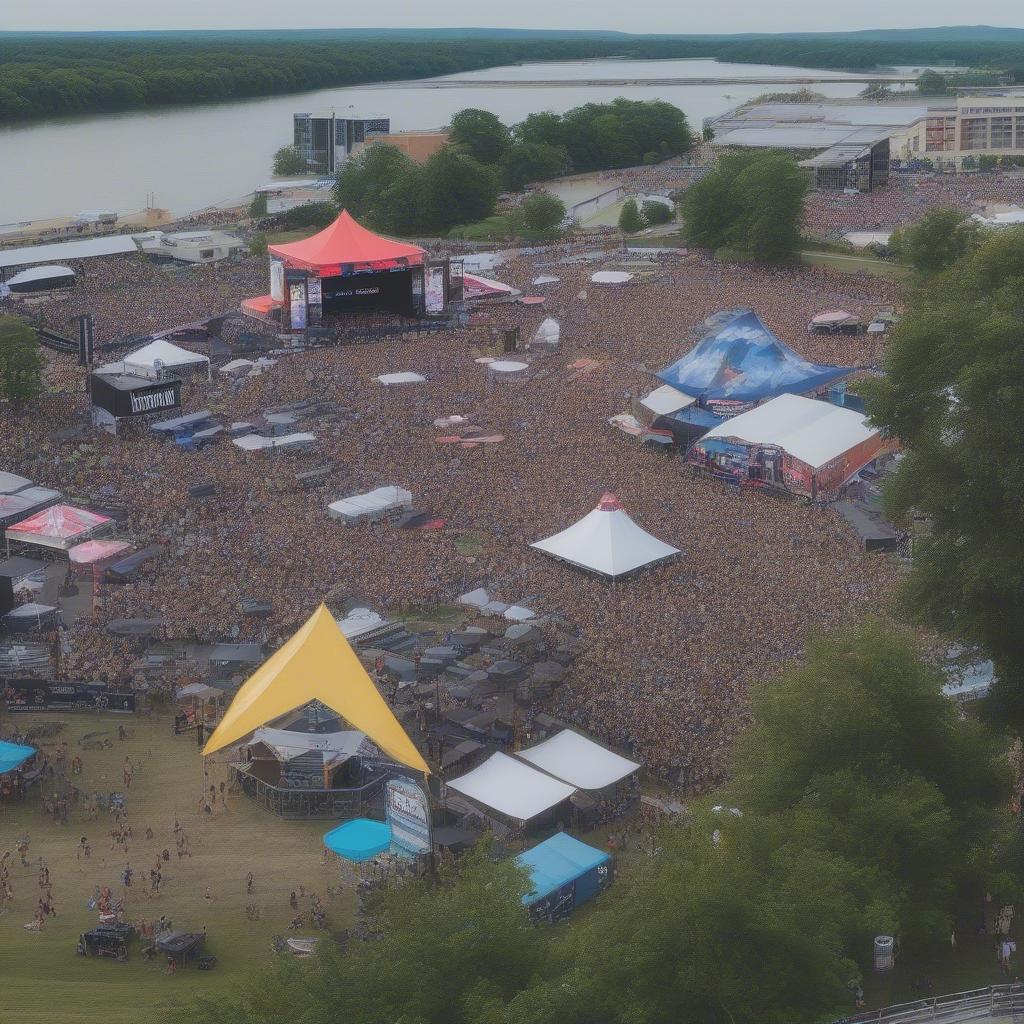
x=669, y=656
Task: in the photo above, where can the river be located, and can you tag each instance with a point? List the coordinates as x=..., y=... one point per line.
x=188, y=158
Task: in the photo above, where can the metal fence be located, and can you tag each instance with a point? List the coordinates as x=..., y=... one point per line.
x=994, y=1002
x=312, y=803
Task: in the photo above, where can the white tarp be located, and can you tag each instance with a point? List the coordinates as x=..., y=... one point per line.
x=606, y=541
x=256, y=442
x=373, y=504
x=579, y=761
x=335, y=746
x=512, y=788
x=548, y=333
x=507, y=366
x=811, y=431
x=546, y=279
x=478, y=598
x=58, y=252
x=40, y=274
x=164, y=352
x=359, y=621
x=237, y=366
x=11, y=482
x=405, y=377
x=1007, y=218
x=611, y=277
x=666, y=400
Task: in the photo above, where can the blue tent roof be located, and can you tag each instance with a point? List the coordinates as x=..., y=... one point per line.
x=741, y=360
x=359, y=839
x=12, y=755
x=556, y=862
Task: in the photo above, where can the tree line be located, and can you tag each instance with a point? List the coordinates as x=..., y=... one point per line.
x=46, y=77
x=460, y=184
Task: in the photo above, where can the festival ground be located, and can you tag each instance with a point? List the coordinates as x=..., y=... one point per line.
x=42, y=979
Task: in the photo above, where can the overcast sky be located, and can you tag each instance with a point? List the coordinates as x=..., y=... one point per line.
x=632, y=16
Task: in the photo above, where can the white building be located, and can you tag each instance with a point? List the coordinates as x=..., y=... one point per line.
x=189, y=246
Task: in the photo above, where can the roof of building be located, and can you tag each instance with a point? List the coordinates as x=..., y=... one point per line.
x=811, y=431
x=579, y=761
x=57, y=252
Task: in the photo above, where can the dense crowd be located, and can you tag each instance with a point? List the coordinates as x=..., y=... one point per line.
x=906, y=199
x=669, y=656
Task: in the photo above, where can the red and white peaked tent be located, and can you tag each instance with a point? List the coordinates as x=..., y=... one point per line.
x=607, y=541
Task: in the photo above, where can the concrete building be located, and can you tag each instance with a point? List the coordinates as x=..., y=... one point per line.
x=189, y=246
x=849, y=145
x=327, y=140
x=418, y=146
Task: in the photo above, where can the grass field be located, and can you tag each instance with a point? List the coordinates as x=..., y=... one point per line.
x=851, y=264
x=42, y=979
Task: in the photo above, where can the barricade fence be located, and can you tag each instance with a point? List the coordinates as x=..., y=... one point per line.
x=989, y=1003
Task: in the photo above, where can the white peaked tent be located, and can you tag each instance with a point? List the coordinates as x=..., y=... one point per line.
x=579, y=761
x=171, y=356
x=607, y=541
x=548, y=333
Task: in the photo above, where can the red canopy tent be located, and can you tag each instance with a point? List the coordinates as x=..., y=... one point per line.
x=346, y=247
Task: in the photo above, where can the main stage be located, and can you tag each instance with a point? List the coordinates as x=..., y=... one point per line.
x=346, y=269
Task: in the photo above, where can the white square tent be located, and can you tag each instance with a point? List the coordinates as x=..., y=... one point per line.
x=402, y=377
x=60, y=527
x=579, y=761
x=160, y=352
x=512, y=788
x=607, y=541
x=666, y=400
x=372, y=505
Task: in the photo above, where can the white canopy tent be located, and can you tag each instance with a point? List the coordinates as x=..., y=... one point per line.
x=336, y=747
x=611, y=277
x=607, y=541
x=666, y=400
x=10, y=483
x=512, y=788
x=580, y=762
x=258, y=443
x=372, y=505
x=811, y=431
x=405, y=377
x=549, y=332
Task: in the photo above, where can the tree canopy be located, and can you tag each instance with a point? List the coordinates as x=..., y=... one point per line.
x=540, y=213
x=21, y=362
x=288, y=160
x=630, y=220
x=481, y=134
x=953, y=394
x=752, y=203
x=937, y=241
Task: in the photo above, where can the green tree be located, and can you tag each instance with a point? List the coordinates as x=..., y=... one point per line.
x=258, y=206
x=481, y=134
x=288, y=160
x=952, y=394
x=630, y=220
x=525, y=162
x=456, y=189
x=936, y=241
x=540, y=213
x=861, y=757
x=21, y=362
x=931, y=83
x=654, y=212
x=363, y=184
x=752, y=202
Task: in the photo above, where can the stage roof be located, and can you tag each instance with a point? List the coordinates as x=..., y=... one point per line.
x=512, y=788
x=98, y=551
x=606, y=541
x=57, y=526
x=739, y=359
x=334, y=746
x=579, y=761
x=813, y=432
x=317, y=663
x=60, y=251
x=11, y=482
x=557, y=862
x=346, y=243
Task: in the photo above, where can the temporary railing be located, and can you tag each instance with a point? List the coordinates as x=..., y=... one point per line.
x=311, y=803
x=994, y=1002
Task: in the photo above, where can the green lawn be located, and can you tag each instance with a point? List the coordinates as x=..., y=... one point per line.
x=41, y=978
x=851, y=264
x=490, y=229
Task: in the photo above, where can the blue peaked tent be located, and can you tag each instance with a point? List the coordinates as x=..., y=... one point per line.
x=12, y=755
x=564, y=873
x=740, y=360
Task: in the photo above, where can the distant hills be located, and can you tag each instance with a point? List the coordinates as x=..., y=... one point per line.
x=940, y=34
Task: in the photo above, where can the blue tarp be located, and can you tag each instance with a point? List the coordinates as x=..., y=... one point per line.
x=359, y=839
x=741, y=360
x=557, y=862
x=12, y=755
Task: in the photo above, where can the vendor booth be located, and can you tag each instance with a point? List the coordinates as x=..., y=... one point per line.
x=563, y=873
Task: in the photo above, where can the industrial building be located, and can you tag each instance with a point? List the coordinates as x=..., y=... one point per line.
x=325, y=141
x=853, y=143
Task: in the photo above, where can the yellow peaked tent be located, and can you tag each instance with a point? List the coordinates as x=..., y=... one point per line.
x=318, y=663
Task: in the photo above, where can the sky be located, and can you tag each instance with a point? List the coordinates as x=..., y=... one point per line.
x=633, y=16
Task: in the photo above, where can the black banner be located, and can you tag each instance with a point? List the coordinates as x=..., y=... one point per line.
x=23, y=695
x=136, y=401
